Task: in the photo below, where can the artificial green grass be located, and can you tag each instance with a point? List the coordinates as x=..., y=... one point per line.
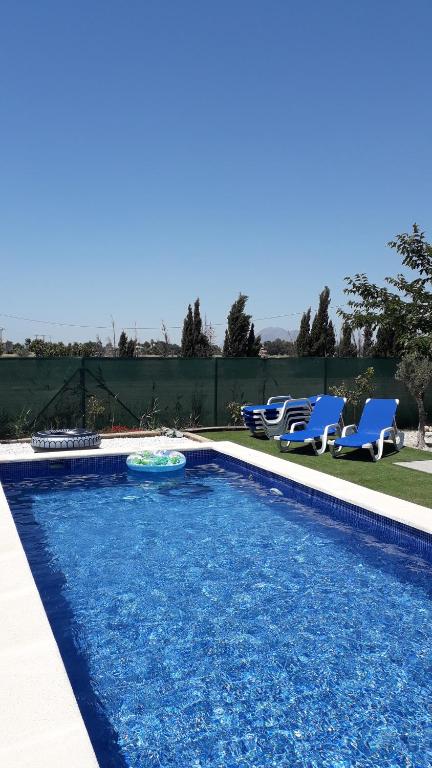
x=355, y=466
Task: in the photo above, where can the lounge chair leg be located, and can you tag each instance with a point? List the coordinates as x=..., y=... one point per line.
x=380, y=447
x=284, y=445
x=397, y=440
x=335, y=451
x=319, y=451
x=372, y=452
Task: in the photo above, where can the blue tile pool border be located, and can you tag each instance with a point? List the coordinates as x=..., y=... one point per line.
x=401, y=534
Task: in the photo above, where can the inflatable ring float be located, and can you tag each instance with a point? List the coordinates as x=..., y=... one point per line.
x=154, y=462
x=65, y=440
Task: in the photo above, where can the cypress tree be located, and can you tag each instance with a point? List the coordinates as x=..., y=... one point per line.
x=320, y=327
x=253, y=343
x=347, y=348
x=303, y=341
x=187, y=341
x=130, y=348
x=331, y=340
x=237, y=332
x=367, y=348
x=122, y=345
x=201, y=344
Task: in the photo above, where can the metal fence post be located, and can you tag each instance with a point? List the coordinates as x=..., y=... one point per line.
x=83, y=393
x=215, y=394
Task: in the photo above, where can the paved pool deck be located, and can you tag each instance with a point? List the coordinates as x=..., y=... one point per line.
x=420, y=466
x=41, y=725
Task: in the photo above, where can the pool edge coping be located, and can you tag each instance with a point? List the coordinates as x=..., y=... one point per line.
x=42, y=725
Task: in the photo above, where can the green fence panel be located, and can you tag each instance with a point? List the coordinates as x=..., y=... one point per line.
x=44, y=391
x=303, y=376
x=152, y=391
x=252, y=380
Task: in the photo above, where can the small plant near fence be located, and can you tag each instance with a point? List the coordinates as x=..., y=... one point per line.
x=235, y=415
x=95, y=410
x=150, y=419
x=362, y=387
x=21, y=425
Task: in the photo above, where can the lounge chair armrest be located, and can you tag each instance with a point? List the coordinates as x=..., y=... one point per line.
x=387, y=429
x=350, y=429
x=297, y=424
x=279, y=399
x=328, y=427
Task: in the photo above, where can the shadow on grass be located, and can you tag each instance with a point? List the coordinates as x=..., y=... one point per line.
x=360, y=455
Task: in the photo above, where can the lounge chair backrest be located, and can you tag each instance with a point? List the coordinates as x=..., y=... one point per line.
x=327, y=410
x=378, y=413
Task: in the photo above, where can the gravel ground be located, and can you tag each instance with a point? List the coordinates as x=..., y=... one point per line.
x=410, y=439
x=24, y=450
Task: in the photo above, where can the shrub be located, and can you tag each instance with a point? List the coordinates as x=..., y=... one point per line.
x=362, y=388
x=234, y=410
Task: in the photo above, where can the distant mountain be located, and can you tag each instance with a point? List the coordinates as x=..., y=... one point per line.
x=270, y=334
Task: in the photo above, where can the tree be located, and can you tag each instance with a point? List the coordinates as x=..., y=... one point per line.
x=195, y=342
x=303, y=341
x=367, y=346
x=42, y=348
x=362, y=387
x=347, y=348
x=122, y=345
x=320, y=341
x=331, y=340
x=416, y=373
x=201, y=343
x=387, y=344
x=187, y=341
x=406, y=312
x=253, y=343
x=238, y=330
x=87, y=349
x=130, y=348
x=280, y=347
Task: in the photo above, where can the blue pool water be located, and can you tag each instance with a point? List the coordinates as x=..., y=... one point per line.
x=210, y=622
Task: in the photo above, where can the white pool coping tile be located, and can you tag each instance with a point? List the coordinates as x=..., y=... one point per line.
x=41, y=726
x=40, y=723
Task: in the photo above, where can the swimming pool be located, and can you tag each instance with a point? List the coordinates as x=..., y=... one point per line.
x=229, y=619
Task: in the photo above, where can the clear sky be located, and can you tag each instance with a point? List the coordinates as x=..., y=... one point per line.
x=152, y=151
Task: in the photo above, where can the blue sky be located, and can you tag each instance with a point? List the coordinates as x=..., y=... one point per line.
x=155, y=151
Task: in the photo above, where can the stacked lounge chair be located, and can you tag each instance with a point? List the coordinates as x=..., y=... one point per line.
x=277, y=415
x=252, y=413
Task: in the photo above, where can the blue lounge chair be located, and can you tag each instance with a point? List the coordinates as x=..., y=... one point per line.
x=377, y=423
x=325, y=420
